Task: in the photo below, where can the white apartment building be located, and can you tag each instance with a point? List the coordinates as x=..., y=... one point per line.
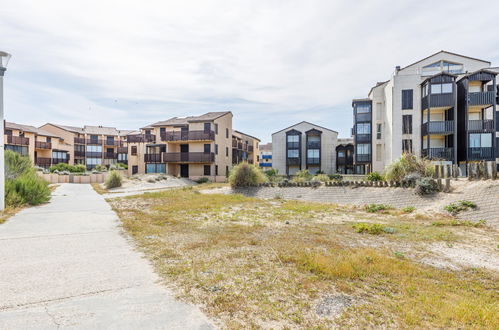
x=442, y=107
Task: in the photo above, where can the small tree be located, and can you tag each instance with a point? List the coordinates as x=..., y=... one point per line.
x=113, y=180
x=246, y=175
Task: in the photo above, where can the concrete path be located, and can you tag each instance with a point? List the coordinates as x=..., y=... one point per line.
x=67, y=264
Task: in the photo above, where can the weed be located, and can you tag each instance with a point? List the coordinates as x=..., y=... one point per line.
x=455, y=208
x=377, y=208
x=370, y=228
x=464, y=223
x=408, y=209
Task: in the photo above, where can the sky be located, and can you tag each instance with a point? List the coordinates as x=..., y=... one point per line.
x=272, y=63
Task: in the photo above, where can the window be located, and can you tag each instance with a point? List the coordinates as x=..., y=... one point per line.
x=207, y=127
x=216, y=149
x=431, y=69
x=134, y=150
x=407, y=99
x=226, y=151
x=378, y=152
x=48, y=139
x=207, y=148
x=378, y=131
x=227, y=171
x=155, y=168
x=59, y=154
x=407, y=146
x=227, y=133
x=8, y=132
x=442, y=66
x=94, y=148
x=94, y=161
x=216, y=169
x=363, y=108
x=293, y=153
x=364, y=128
x=293, y=138
x=341, y=154
x=407, y=124
x=135, y=169
x=207, y=170
x=441, y=88
x=216, y=128
x=122, y=157
x=452, y=67
x=363, y=149
x=313, y=153
x=22, y=150
x=483, y=140
x=94, y=138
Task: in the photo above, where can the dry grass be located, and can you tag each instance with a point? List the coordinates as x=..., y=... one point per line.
x=258, y=263
x=99, y=189
x=8, y=212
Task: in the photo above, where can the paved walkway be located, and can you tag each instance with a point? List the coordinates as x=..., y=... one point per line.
x=66, y=264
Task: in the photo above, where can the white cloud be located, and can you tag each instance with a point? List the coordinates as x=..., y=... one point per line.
x=271, y=62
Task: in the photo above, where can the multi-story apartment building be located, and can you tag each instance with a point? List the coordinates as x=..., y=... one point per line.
x=244, y=148
x=442, y=107
x=344, y=156
x=190, y=147
x=93, y=145
x=265, y=156
x=42, y=147
x=304, y=146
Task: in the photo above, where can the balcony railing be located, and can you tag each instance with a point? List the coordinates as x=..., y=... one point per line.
x=42, y=161
x=363, y=158
x=188, y=136
x=141, y=138
x=363, y=137
x=481, y=125
x=152, y=158
x=344, y=160
x=234, y=143
x=293, y=161
x=363, y=117
x=438, y=153
x=438, y=127
x=60, y=160
x=122, y=150
x=188, y=157
x=313, y=161
x=94, y=154
x=110, y=155
x=43, y=145
x=438, y=101
x=79, y=140
x=479, y=153
x=481, y=98
x=115, y=143
x=250, y=148
x=79, y=153
x=95, y=141
x=17, y=140
x=314, y=145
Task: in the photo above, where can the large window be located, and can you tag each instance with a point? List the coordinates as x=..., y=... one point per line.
x=94, y=148
x=293, y=153
x=122, y=157
x=207, y=170
x=293, y=141
x=407, y=146
x=59, y=154
x=363, y=108
x=483, y=140
x=407, y=124
x=407, y=99
x=313, y=153
x=293, y=138
x=442, y=66
x=363, y=149
x=155, y=168
x=364, y=128
x=441, y=88
x=94, y=161
x=22, y=150
x=378, y=131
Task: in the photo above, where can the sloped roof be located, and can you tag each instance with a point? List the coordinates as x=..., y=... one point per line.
x=446, y=52
x=73, y=129
x=250, y=136
x=304, y=122
x=31, y=129
x=97, y=130
x=191, y=119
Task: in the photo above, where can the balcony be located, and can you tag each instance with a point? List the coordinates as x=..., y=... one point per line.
x=481, y=153
x=141, y=138
x=17, y=140
x=314, y=145
x=481, y=98
x=79, y=153
x=152, y=158
x=363, y=137
x=313, y=161
x=438, y=127
x=43, y=145
x=445, y=100
x=41, y=161
x=344, y=160
x=94, y=154
x=362, y=117
x=122, y=150
x=234, y=143
x=114, y=143
x=188, y=157
x=295, y=161
x=95, y=141
x=250, y=148
x=438, y=153
x=79, y=140
x=110, y=155
x=481, y=125
x=363, y=158
x=60, y=160
x=188, y=136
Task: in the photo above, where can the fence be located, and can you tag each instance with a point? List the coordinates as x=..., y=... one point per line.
x=474, y=171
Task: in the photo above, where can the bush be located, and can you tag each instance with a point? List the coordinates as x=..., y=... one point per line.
x=321, y=178
x=303, y=175
x=122, y=166
x=375, y=208
x=22, y=184
x=100, y=168
x=202, y=180
x=455, y=208
x=113, y=180
x=273, y=175
x=246, y=175
x=337, y=177
x=63, y=167
x=374, y=176
x=408, y=164
x=408, y=209
x=426, y=186
x=370, y=228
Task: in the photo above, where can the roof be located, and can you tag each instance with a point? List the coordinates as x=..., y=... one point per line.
x=31, y=129
x=247, y=135
x=492, y=72
x=379, y=83
x=305, y=122
x=265, y=147
x=73, y=129
x=444, y=51
x=97, y=130
x=209, y=116
x=443, y=73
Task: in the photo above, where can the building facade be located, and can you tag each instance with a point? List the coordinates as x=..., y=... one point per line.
x=244, y=148
x=304, y=146
x=443, y=107
x=344, y=156
x=265, y=151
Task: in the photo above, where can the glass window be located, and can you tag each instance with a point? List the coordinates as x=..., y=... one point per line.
x=447, y=88
x=432, y=69
x=207, y=170
x=341, y=153
x=483, y=140
x=94, y=148
x=378, y=131
x=293, y=153
x=313, y=153
x=22, y=150
x=364, y=128
x=452, y=67
x=155, y=168
x=94, y=161
x=436, y=89
x=407, y=99
x=293, y=138
x=363, y=149
x=474, y=140
x=363, y=108
x=407, y=146
x=407, y=124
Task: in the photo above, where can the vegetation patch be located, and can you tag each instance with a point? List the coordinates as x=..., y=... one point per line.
x=246, y=175
x=464, y=223
x=63, y=167
x=113, y=180
x=369, y=228
x=377, y=208
x=408, y=209
x=455, y=208
x=374, y=176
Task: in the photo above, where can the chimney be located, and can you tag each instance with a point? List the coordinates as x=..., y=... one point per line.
x=397, y=68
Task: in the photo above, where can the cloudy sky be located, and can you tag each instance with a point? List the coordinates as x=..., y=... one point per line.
x=272, y=63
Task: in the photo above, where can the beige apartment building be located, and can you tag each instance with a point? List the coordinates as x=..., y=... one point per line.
x=244, y=148
x=443, y=107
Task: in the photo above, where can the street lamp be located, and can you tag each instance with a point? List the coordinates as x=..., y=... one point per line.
x=4, y=59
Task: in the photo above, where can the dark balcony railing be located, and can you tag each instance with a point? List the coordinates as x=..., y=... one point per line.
x=293, y=161
x=479, y=153
x=313, y=161
x=111, y=143
x=110, y=155
x=293, y=145
x=152, y=158
x=481, y=125
x=43, y=161
x=362, y=117
x=141, y=138
x=438, y=153
x=94, y=154
x=122, y=150
x=95, y=141
x=79, y=153
x=79, y=140
x=188, y=157
x=438, y=101
x=250, y=148
x=188, y=136
x=313, y=145
x=344, y=160
x=481, y=98
x=438, y=127
x=363, y=158
x=363, y=137
x=234, y=143
x=240, y=146
x=17, y=140
x=60, y=160
x=43, y=145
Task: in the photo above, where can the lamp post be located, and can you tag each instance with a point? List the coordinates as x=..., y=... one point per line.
x=4, y=59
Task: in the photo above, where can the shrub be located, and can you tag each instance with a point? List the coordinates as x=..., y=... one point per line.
x=121, y=165
x=370, y=228
x=246, y=175
x=408, y=164
x=15, y=164
x=375, y=208
x=426, y=186
x=63, y=167
x=273, y=175
x=455, y=208
x=100, y=168
x=337, y=177
x=202, y=180
x=374, y=176
x=465, y=223
x=319, y=172
x=113, y=180
x=303, y=174
x=321, y=178
x=408, y=209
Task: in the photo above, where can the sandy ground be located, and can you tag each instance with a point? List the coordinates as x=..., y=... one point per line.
x=147, y=183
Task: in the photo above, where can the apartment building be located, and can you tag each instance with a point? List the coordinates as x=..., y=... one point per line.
x=304, y=146
x=93, y=145
x=443, y=107
x=244, y=148
x=344, y=156
x=42, y=147
x=190, y=147
x=265, y=151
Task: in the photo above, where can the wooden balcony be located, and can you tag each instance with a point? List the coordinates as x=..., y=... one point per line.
x=60, y=160
x=188, y=157
x=41, y=161
x=152, y=158
x=122, y=150
x=188, y=136
x=141, y=138
x=94, y=141
x=481, y=125
x=79, y=140
x=445, y=100
x=481, y=98
x=110, y=155
x=481, y=153
x=112, y=143
x=438, y=153
x=79, y=153
x=438, y=127
x=43, y=145
x=17, y=140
